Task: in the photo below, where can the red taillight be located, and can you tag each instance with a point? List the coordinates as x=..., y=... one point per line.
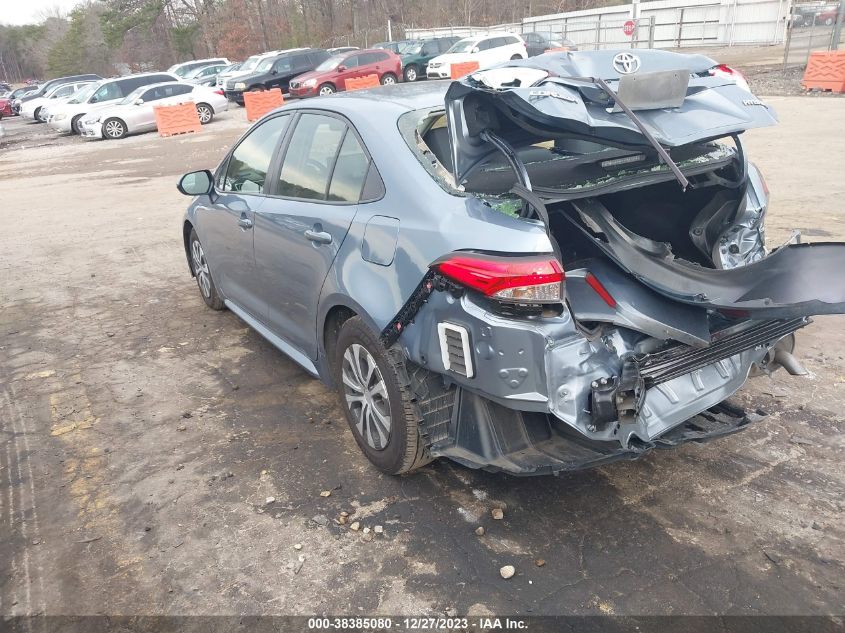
x=723, y=70
x=532, y=279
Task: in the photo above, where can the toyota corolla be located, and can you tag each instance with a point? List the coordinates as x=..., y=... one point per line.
x=547, y=265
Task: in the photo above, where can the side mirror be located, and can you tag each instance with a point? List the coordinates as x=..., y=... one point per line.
x=196, y=183
x=139, y=102
x=475, y=50
x=341, y=68
x=273, y=71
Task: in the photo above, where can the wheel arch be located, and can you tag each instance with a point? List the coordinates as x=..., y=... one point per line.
x=187, y=227
x=334, y=312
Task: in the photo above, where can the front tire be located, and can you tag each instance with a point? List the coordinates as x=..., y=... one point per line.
x=376, y=397
x=388, y=79
x=114, y=129
x=199, y=266
x=326, y=89
x=205, y=112
x=74, y=125
x=411, y=73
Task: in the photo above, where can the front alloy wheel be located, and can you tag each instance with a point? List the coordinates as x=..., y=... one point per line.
x=199, y=266
x=326, y=89
x=114, y=129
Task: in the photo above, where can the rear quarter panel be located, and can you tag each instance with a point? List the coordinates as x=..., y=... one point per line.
x=432, y=223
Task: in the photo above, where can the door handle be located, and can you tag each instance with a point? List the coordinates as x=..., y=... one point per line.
x=244, y=222
x=320, y=237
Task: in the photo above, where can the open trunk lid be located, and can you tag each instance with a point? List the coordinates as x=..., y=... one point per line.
x=677, y=102
x=675, y=97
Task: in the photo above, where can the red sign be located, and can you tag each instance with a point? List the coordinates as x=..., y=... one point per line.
x=628, y=28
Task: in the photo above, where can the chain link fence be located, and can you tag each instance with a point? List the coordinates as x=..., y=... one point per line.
x=812, y=27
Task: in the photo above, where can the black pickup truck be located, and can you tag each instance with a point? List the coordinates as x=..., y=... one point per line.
x=275, y=72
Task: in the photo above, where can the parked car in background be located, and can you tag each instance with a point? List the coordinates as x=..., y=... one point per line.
x=12, y=101
x=31, y=109
x=47, y=85
x=65, y=117
x=135, y=113
x=276, y=72
x=6, y=107
x=247, y=67
x=331, y=76
x=5, y=87
x=342, y=49
x=416, y=55
x=487, y=50
x=425, y=251
x=183, y=69
x=206, y=75
x=828, y=16
x=397, y=46
x=537, y=44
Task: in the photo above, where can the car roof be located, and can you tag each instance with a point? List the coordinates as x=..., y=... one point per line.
x=396, y=98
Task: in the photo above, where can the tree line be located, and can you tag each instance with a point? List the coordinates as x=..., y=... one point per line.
x=110, y=37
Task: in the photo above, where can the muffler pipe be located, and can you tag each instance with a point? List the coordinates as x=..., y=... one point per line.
x=791, y=364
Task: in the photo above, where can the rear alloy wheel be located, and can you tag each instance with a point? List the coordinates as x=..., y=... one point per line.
x=388, y=79
x=114, y=129
x=205, y=113
x=377, y=400
x=326, y=89
x=199, y=266
x=410, y=73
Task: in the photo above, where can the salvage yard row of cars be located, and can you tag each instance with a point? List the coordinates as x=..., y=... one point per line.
x=94, y=107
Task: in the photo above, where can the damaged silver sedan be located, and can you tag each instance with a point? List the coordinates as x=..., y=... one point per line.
x=547, y=265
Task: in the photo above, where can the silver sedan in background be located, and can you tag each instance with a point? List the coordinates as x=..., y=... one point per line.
x=135, y=113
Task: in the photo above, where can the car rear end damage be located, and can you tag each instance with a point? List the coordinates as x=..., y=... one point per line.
x=666, y=298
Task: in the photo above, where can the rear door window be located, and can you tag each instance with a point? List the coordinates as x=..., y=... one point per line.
x=351, y=61
x=246, y=171
x=350, y=170
x=310, y=157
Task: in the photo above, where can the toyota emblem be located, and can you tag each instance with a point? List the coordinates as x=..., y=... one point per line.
x=626, y=63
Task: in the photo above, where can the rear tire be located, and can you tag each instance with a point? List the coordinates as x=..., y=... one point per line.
x=513, y=57
x=205, y=112
x=376, y=396
x=388, y=79
x=199, y=266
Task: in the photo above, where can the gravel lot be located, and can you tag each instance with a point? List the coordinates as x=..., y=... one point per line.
x=161, y=458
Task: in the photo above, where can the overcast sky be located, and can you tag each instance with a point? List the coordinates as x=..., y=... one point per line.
x=32, y=11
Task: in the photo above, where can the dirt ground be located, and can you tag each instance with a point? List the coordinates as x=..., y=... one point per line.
x=161, y=458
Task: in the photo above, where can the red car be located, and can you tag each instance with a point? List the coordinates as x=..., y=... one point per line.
x=5, y=107
x=827, y=17
x=330, y=76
